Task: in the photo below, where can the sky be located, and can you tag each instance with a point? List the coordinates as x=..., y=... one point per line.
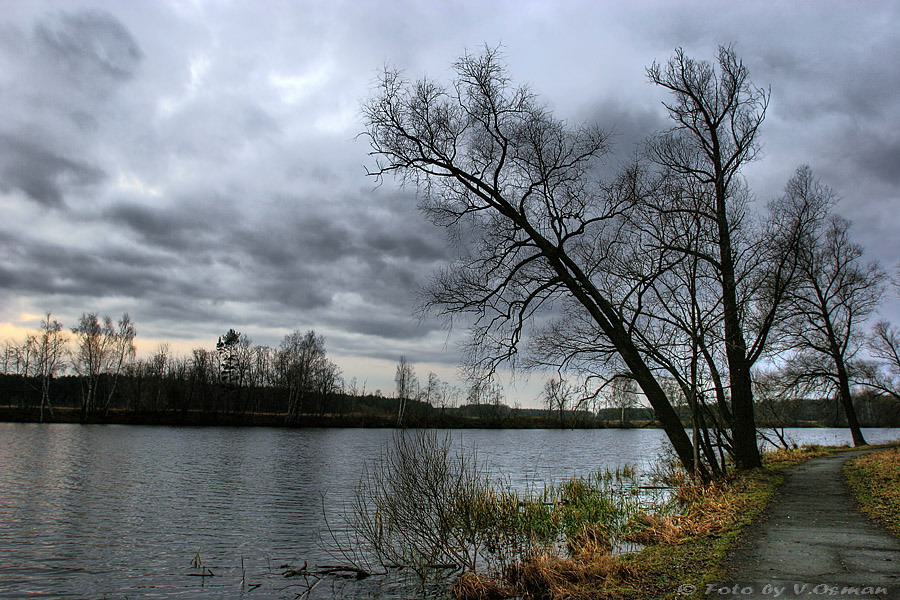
x=198, y=165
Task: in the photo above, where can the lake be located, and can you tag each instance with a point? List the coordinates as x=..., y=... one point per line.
x=115, y=512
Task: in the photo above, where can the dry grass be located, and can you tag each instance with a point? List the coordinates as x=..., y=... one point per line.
x=781, y=458
x=687, y=548
x=709, y=509
x=550, y=577
x=591, y=540
x=875, y=480
x=713, y=507
x=475, y=586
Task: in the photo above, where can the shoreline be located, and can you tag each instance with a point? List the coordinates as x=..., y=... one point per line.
x=356, y=421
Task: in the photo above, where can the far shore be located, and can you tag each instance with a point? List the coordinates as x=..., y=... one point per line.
x=436, y=420
x=195, y=418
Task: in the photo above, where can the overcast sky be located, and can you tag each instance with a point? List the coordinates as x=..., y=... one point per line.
x=195, y=163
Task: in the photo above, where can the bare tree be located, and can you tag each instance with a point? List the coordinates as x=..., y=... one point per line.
x=203, y=375
x=882, y=374
x=158, y=369
x=407, y=387
x=492, y=164
x=19, y=357
x=431, y=391
x=51, y=354
x=101, y=349
x=559, y=395
x=835, y=294
x=92, y=347
x=717, y=113
x=622, y=394
x=121, y=350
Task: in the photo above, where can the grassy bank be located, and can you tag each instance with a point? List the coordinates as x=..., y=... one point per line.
x=688, y=551
x=875, y=481
x=683, y=551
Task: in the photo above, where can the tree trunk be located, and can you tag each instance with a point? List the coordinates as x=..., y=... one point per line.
x=746, y=452
x=847, y=403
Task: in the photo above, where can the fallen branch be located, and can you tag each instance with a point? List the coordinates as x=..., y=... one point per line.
x=333, y=569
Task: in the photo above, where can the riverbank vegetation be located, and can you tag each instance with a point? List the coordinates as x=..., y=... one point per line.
x=431, y=507
x=875, y=481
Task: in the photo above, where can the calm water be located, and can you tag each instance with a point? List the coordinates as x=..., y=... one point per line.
x=115, y=512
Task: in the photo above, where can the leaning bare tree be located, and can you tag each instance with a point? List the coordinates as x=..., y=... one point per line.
x=495, y=166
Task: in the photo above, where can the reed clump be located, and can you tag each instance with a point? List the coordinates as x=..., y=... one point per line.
x=472, y=585
x=549, y=576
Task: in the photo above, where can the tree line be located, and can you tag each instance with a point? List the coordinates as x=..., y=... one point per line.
x=93, y=368
x=667, y=274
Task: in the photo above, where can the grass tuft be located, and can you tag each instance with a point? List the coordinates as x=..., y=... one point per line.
x=477, y=586
x=552, y=577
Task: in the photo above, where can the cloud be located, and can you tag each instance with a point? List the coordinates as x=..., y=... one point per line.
x=39, y=173
x=88, y=45
x=197, y=164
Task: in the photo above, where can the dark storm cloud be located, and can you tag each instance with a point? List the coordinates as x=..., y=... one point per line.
x=56, y=81
x=54, y=269
x=391, y=327
x=39, y=173
x=292, y=259
x=186, y=225
x=628, y=127
x=196, y=164
x=168, y=229
x=881, y=157
x=406, y=245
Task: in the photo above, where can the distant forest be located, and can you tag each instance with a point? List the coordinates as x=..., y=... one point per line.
x=91, y=374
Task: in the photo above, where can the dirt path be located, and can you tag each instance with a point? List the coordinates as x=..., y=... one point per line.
x=814, y=543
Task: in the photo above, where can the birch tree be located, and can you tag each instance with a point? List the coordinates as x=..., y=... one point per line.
x=51, y=356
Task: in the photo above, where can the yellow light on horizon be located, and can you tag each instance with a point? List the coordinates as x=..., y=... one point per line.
x=10, y=331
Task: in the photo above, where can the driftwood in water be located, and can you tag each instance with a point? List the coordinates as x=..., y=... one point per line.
x=328, y=570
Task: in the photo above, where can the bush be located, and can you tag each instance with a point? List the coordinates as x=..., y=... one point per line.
x=430, y=508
